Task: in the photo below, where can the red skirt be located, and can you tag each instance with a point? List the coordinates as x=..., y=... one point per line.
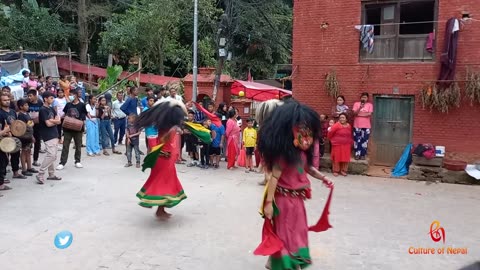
x=292, y=229
x=231, y=154
x=163, y=187
x=341, y=153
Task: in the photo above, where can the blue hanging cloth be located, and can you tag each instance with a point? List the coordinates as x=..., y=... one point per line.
x=401, y=168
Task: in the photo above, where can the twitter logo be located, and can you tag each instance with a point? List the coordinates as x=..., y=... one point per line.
x=63, y=239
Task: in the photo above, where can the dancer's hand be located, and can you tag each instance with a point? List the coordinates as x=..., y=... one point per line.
x=268, y=210
x=327, y=182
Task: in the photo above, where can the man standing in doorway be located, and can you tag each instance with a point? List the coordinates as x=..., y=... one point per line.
x=48, y=121
x=119, y=119
x=75, y=109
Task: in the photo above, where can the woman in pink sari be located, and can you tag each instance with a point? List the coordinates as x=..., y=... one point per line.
x=286, y=145
x=233, y=139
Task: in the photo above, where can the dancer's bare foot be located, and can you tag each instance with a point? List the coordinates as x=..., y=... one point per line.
x=268, y=265
x=162, y=214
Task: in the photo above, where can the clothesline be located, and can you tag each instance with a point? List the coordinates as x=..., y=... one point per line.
x=407, y=23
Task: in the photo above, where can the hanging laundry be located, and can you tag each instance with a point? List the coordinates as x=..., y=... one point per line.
x=366, y=37
x=448, y=58
x=430, y=45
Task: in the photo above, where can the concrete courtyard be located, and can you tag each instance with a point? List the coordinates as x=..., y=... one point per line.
x=375, y=222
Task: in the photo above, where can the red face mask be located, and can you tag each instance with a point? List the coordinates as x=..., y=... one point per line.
x=302, y=137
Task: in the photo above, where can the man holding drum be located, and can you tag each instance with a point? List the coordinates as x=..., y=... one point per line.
x=73, y=127
x=7, y=116
x=48, y=120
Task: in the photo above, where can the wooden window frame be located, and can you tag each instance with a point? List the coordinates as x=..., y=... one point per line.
x=397, y=35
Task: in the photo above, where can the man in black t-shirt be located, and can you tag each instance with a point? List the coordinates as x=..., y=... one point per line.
x=47, y=123
x=34, y=105
x=75, y=109
x=7, y=116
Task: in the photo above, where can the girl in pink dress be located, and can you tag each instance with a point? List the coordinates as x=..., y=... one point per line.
x=286, y=145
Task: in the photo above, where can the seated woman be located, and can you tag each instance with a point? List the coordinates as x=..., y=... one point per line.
x=340, y=136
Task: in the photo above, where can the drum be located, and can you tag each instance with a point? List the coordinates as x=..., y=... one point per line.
x=34, y=116
x=72, y=123
x=10, y=145
x=18, y=128
x=28, y=134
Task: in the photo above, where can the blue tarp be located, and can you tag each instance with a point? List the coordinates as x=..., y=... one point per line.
x=402, y=166
x=13, y=79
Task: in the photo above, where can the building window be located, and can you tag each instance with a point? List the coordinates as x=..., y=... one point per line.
x=401, y=29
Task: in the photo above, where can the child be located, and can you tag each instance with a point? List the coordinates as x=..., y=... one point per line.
x=191, y=141
x=215, y=152
x=330, y=124
x=205, y=148
x=249, y=142
x=27, y=139
x=132, y=141
x=323, y=137
x=151, y=133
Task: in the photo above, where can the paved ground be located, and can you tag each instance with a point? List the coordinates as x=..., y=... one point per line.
x=375, y=222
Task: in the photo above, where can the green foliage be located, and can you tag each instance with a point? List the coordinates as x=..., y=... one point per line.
x=113, y=74
x=261, y=37
x=160, y=32
x=32, y=27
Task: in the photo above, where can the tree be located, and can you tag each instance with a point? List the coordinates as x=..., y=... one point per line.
x=160, y=32
x=259, y=37
x=87, y=16
x=32, y=27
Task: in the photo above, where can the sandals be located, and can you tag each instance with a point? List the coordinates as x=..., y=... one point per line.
x=6, y=181
x=54, y=177
x=27, y=173
x=6, y=188
x=117, y=152
x=20, y=176
x=129, y=164
x=106, y=153
x=40, y=179
x=32, y=170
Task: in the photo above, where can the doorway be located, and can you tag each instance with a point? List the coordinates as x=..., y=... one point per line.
x=392, y=127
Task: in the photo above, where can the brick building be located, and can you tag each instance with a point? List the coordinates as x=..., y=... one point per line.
x=205, y=83
x=325, y=39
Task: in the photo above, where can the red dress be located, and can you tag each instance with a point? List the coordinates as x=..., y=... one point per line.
x=341, y=139
x=163, y=187
x=233, y=140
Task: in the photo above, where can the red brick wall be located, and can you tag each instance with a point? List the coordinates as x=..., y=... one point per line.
x=317, y=50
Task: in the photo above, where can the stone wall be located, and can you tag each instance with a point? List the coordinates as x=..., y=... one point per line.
x=437, y=174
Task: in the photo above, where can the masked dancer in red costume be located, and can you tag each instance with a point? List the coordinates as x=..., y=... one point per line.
x=286, y=145
x=162, y=189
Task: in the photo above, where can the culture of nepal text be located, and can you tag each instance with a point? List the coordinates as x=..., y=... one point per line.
x=442, y=250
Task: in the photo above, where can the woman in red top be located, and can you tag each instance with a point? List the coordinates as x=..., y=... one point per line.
x=340, y=137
